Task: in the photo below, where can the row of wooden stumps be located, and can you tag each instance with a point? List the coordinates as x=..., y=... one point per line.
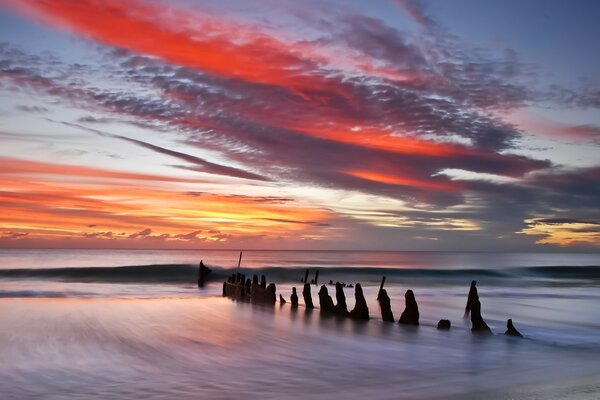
x=410, y=315
x=240, y=288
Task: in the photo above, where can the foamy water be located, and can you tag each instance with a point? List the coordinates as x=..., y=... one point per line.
x=109, y=334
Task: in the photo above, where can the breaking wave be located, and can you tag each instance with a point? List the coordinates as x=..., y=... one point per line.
x=186, y=273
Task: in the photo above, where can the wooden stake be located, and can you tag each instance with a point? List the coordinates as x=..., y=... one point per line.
x=382, y=283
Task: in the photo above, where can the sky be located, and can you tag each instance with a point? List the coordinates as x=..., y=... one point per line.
x=461, y=125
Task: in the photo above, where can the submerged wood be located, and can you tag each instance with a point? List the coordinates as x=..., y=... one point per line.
x=444, y=324
x=410, y=315
x=203, y=272
x=341, y=308
x=477, y=322
x=385, y=306
x=511, y=330
x=325, y=301
x=307, y=296
x=361, y=310
x=294, y=297
x=471, y=297
x=239, y=288
x=234, y=290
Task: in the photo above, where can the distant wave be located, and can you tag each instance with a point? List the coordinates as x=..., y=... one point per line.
x=170, y=273
x=584, y=272
x=184, y=273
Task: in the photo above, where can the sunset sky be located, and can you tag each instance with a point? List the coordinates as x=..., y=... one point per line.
x=383, y=124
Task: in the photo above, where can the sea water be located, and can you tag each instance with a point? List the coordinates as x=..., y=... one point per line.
x=95, y=324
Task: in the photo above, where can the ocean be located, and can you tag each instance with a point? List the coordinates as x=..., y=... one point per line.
x=132, y=324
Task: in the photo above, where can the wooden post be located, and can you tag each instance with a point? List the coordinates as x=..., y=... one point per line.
x=306, y=276
x=316, y=276
x=382, y=283
x=240, y=260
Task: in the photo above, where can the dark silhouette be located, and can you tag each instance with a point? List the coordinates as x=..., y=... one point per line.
x=317, y=277
x=248, y=286
x=307, y=296
x=330, y=282
x=305, y=280
x=472, y=295
x=203, y=271
x=382, y=283
x=384, y=304
x=238, y=287
x=511, y=330
x=263, y=281
x=341, y=308
x=281, y=299
x=294, y=297
x=444, y=324
x=477, y=322
x=325, y=301
x=271, y=294
x=410, y=315
x=360, y=311
x=240, y=260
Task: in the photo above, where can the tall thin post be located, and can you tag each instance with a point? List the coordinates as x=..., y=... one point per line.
x=240, y=260
x=382, y=283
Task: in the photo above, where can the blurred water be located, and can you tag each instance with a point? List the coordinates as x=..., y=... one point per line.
x=94, y=339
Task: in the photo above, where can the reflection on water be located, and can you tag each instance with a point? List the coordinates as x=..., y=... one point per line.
x=215, y=348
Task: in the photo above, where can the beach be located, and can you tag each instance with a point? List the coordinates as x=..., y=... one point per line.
x=64, y=336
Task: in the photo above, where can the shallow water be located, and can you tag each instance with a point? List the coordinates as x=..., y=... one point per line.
x=64, y=336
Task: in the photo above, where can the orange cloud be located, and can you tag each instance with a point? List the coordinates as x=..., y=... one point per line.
x=449, y=186
x=53, y=201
